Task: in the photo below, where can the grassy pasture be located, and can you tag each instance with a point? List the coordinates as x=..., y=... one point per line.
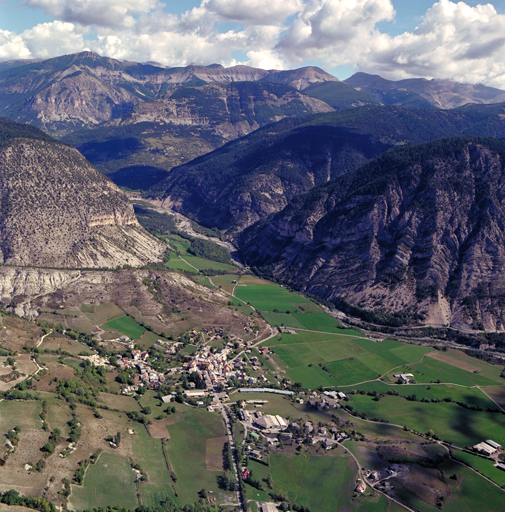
x=347, y=371
x=203, y=264
x=175, y=263
x=283, y=320
x=483, y=466
x=188, y=442
x=268, y=296
x=103, y=312
x=22, y=413
x=126, y=325
x=472, y=396
x=348, y=358
x=148, y=452
x=323, y=483
x=432, y=370
x=310, y=377
x=319, y=322
x=225, y=281
x=449, y=421
x=470, y=364
x=148, y=339
x=470, y=491
x=109, y=482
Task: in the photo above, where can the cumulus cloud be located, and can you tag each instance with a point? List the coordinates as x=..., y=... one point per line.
x=42, y=41
x=454, y=40
x=105, y=13
x=336, y=31
x=259, y=12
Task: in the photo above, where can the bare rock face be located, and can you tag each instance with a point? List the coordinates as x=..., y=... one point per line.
x=67, y=93
x=419, y=232
x=26, y=291
x=56, y=210
x=229, y=111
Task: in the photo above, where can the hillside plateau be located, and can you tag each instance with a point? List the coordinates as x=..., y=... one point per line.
x=248, y=179
x=417, y=233
x=58, y=211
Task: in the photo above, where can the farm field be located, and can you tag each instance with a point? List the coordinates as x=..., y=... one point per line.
x=175, y=263
x=126, y=325
x=483, y=466
x=340, y=359
x=322, y=483
x=149, y=453
x=474, y=397
x=188, y=441
x=102, y=313
x=23, y=414
x=109, y=482
x=449, y=421
x=225, y=281
x=433, y=370
x=470, y=364
x=265, y=296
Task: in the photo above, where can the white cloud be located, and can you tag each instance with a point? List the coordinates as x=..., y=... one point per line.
x=12, y=46
x=454, y=40
x=265, y=59
x=335, y=31
x=42, y=41
x=105, y=13
x=257, y=12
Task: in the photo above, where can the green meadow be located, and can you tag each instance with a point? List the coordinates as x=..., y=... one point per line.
x=109, y=482
x=126, y=325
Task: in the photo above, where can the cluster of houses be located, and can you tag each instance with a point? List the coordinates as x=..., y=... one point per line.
x=147, y=376
x=213, y=368
x=328, y=400
x=273, y=426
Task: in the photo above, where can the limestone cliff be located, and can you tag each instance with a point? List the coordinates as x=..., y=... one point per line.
x=56, y=210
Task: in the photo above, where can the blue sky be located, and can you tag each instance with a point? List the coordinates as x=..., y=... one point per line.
x=397, y=39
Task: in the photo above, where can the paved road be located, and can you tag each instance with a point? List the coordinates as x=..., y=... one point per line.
x=229, y=432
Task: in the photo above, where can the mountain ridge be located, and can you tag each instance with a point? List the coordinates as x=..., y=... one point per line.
x=417, y=233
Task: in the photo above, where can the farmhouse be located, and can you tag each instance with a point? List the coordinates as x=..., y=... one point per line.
x=195, y=393
x=496, y=446
x=361, y=487
x=404, y=377
x=485, y=448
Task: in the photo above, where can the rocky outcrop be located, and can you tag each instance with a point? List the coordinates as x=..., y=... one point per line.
x=227, y=111
x=56, y=210
x=26, y=291
x=418, y=233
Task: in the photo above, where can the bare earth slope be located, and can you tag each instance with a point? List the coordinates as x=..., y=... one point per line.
x=56, y=210
x=419, y=231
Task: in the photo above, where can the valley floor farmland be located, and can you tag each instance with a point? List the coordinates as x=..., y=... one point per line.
x=179, y=447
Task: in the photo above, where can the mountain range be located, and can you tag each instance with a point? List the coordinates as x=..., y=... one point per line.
x=350, y=191
x=137, y=121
